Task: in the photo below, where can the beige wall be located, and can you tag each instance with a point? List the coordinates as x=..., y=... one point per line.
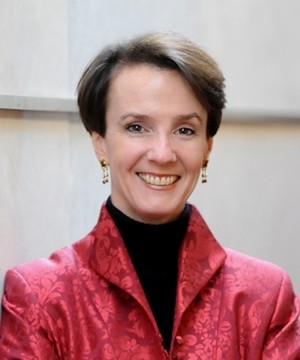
x=51, y=190
x=48, y=43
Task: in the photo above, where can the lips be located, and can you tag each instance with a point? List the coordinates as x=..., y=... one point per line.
x=158, y=180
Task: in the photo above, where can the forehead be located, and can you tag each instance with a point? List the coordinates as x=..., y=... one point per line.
x=152, y=91
x=130, y=79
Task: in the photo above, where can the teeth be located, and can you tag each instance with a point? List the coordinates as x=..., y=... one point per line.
x=158, y=180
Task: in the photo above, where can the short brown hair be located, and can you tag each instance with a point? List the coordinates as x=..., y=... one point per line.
x=165, y=50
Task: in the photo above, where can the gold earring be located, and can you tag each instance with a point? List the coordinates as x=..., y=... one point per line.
x=204, y=173
x=105, y=171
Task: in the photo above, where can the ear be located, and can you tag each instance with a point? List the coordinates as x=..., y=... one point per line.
x=99, y=146
x=210, y=143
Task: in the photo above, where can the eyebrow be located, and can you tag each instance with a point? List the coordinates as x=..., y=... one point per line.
x=179, y=117
x=189, y=116
x=134, y=115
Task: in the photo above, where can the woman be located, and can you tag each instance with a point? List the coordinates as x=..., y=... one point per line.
x=150, y=281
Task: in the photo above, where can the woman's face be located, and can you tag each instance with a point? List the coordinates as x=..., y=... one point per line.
x=155, y=142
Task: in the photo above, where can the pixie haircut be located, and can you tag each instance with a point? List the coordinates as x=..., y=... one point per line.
x=164, y=50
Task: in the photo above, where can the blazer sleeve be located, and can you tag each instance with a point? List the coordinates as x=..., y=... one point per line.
x=283, y=338
x=23, y=332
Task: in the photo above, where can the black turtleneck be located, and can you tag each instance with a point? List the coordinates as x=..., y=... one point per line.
x=153, y=250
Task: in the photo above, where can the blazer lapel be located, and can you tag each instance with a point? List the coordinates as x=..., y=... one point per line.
x=200, y=258
x=111, y=260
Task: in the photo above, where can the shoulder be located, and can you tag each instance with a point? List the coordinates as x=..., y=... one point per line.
x=253, y=275
x=253, y=266
x=61, y=268
x=62, y=271
x=259, y=284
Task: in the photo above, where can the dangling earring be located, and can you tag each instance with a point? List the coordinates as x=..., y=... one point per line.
x=105, y=172
x=204, y=171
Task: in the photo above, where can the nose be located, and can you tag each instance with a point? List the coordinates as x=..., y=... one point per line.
x=161, y=150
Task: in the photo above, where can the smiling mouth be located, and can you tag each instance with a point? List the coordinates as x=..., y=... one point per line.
x=158, y=180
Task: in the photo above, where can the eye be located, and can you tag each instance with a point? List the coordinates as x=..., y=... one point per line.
x=185, y=131
x=135, y=128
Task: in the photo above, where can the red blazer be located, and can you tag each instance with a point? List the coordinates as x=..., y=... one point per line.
x=86, y=302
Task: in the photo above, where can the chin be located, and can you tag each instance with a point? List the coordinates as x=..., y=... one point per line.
x=160, y=217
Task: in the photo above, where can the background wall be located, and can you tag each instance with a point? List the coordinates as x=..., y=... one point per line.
x=51, y=191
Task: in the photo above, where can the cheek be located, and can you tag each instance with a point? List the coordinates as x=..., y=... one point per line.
x=193, y=158
x=121, y=158
x=193, y=169
x=196, y=166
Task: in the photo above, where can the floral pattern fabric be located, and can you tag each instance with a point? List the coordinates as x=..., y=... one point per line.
x=86, y=302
